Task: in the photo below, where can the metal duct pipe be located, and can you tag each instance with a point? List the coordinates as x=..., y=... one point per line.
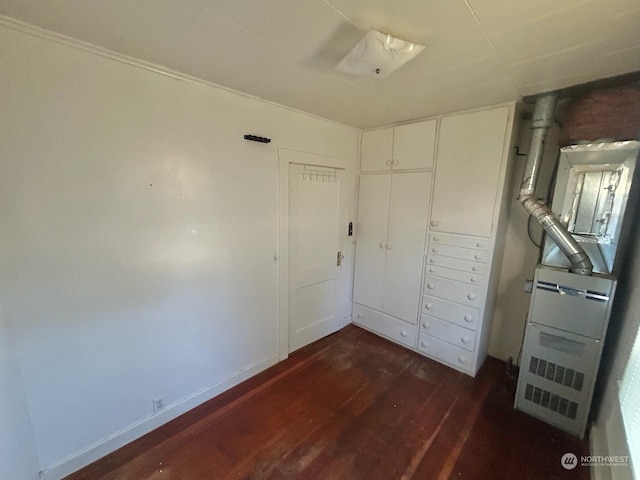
x=540, y=125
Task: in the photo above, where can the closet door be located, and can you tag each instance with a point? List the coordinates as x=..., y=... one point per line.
x=414, y=145
x=470, y=148
x=377, y=150
x=373, y=215
x=409, y=207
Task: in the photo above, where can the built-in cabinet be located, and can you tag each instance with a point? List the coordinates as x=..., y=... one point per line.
x=430, y=286
x=392, y=221
x=470, y=151
x=403, y=147
x=455, y=289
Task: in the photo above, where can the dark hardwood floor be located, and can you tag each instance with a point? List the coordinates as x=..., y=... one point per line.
x=352, y=406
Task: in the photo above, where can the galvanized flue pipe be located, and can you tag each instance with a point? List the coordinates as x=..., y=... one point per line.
x=541, y=123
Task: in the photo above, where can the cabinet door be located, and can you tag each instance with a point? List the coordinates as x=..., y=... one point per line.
x=409, y=208
x=468, y=171
x=376, y=154
x=373, y=213
x=414, y=145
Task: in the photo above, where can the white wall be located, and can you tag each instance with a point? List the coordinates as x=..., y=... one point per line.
x=139, y=234
x=17, y=448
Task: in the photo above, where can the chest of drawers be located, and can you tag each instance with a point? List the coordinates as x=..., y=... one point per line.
x=453, y=301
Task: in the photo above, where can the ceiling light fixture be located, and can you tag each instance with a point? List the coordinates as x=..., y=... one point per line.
x=378, y=55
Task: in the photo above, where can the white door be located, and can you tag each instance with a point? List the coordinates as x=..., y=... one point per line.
x=377, y=150
x=315, y=238
x=414, y=145
x=373, y=214
x=408, y=211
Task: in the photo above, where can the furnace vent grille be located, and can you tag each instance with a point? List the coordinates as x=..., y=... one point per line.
x=556, y=373
x=553, y=402
x=562, y=344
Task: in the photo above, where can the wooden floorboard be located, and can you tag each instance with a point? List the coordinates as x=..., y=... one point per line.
x=352, y=406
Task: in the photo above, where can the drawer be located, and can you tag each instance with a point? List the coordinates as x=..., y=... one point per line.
x=457, y=264
x=459, y=252
x=454, y=356
x=397, y=330
x=462, y=315
x=478, y=243
x=467, y=277
x=454, y=291
x=450, y=333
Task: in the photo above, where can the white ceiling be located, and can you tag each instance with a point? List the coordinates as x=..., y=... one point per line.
x=478, y=52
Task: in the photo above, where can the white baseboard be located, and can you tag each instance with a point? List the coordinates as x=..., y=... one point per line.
x=145, y=425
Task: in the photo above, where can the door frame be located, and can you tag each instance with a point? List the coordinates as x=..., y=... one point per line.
x=286, y=157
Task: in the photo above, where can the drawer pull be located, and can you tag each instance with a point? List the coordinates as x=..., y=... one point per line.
x=388, y=162
x=426, y=325
x=434, y=250
x=427, y=306
x=436, y=239
x=477, y=257
x=424, y=344
x=430, y=286
x=382, y=245
x=431, y=260
x=471, y=296
x=435, y=223
x=359, y=315
x=462, y=359
x=403, y=333
x=473, y=279
x=475, y=269
x=431, y=270
x=389, y=246
x=464, y=339
x=479, y=244
x=468, y=318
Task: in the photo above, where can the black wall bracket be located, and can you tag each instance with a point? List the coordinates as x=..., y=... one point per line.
x=255, y=138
